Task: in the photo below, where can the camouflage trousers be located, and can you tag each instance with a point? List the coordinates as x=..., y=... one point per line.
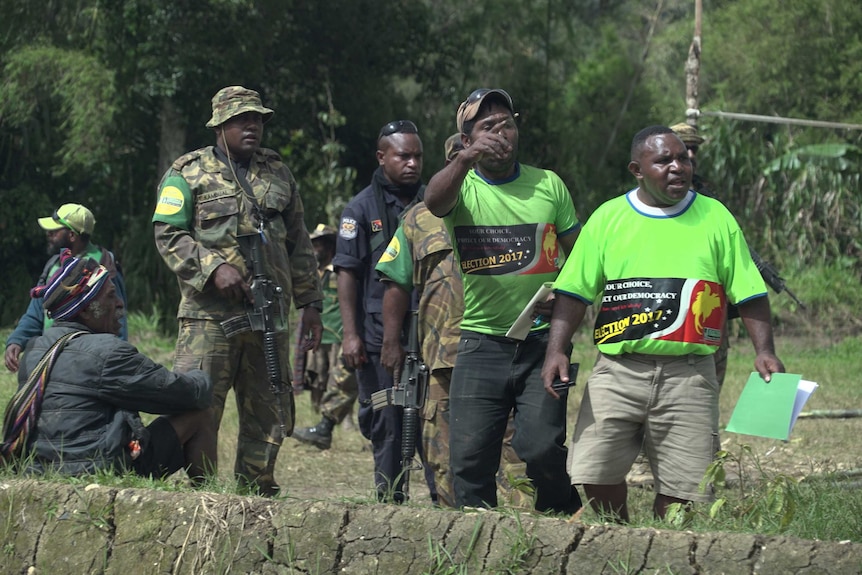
x=337, y=384
x=435, y=440
x=238, y=363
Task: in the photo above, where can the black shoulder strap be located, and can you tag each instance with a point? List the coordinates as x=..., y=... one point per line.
x=51, y=261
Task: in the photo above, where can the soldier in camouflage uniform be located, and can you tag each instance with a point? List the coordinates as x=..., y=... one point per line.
x=332, y=385
x=420, y=256
x=211, y=200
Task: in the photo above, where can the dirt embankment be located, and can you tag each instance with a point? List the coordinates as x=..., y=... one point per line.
x=61, y=528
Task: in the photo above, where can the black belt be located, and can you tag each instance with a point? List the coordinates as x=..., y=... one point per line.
x=532, y=336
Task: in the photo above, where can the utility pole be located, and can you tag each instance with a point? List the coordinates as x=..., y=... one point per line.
x=692, y=68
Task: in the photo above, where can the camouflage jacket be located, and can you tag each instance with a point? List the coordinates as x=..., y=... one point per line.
x=421, y=253
x=205, y=211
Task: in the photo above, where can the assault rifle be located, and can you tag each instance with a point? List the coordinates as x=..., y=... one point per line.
x=409, y=393
x=771, y=277
x=261, y=317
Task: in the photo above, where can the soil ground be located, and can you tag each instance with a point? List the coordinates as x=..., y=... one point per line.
x=817, y=446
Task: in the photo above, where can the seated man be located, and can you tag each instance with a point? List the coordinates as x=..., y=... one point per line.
x=70, y=226
x=81, y=387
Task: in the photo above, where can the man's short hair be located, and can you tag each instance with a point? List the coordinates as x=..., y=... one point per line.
x=642, y=136
x=396, y=127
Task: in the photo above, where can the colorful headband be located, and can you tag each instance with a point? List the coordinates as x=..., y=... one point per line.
x=72, y=287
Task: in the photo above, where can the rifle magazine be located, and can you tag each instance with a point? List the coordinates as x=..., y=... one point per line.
x=380, y=399
x=235, y=326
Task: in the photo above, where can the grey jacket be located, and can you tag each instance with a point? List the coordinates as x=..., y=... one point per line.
x=96, y=389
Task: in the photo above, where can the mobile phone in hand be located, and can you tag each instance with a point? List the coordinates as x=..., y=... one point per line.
x=559, y=385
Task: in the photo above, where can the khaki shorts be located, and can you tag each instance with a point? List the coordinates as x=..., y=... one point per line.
x=667, y=404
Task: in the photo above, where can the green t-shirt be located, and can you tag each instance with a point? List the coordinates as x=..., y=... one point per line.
x=664, y=274
x=330, y=317
x=505, y=236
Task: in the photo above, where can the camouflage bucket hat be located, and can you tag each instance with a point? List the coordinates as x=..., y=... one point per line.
x=233, y=101
x=452, y=146
x=687, y=133
x=322, y=230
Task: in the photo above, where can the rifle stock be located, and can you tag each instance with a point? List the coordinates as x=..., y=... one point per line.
x=409, y=393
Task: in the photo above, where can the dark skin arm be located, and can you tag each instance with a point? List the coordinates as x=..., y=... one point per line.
x=441, y=193
x=352, y=347
x=396, y=302
x=757, y=317
x=311, y=327
x=568, y=315
x=13, y=352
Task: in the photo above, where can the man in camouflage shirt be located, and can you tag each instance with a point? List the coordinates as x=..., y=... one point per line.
x=332, y=385
x=212, y=203
x=420, y=256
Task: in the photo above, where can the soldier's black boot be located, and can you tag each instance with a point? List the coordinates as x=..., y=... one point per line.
x=319, y=436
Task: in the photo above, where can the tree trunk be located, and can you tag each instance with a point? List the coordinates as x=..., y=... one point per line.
x=172, y=138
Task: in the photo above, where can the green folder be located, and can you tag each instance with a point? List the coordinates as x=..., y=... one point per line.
x=770, y=409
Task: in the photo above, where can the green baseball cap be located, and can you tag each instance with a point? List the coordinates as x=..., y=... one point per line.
x=233, y=101
x=70, y=216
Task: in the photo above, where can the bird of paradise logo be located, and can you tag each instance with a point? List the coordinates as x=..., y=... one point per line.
x=704, y=304
x=549, y=247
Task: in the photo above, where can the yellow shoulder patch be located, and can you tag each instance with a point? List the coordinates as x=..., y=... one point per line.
x=391, y=251
x=170, y=202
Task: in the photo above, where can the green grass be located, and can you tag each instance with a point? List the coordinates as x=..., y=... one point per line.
x=794, y=488
x=146, y=335
x=777, y=496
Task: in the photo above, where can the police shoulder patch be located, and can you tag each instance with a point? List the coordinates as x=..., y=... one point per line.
x=348, y=228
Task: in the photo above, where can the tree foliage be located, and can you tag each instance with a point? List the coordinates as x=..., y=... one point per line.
x=97, y=98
